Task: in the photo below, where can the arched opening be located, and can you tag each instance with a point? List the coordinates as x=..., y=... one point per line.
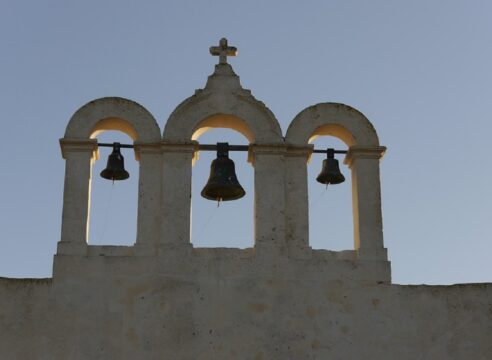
x=113, y=206
x=217, y=226
x=224, y=121
x=114, y=124
x=330, y=207
x=355, y=130
x=335, y=130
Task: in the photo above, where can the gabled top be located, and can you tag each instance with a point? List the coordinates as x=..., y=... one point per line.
x=224, y=78
x=223, y=103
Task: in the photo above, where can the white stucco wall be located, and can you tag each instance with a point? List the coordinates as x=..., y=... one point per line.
x=231, y=304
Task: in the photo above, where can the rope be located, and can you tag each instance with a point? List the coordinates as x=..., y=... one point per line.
x=320, y=196
x=106, y=216
x=207, y=222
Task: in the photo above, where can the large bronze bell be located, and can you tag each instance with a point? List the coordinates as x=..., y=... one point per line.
x=115, y=169
x=222, y=185
x=330, y=172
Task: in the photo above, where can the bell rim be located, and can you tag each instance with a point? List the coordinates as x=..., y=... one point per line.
x=104, y=173
x=239, y=196
x=336, y=182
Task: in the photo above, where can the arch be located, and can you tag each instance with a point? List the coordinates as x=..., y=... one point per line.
x=225, y=122
x=334, y=119
x=236, y=111
x=364, y=154
x=222, y=106
x=80, y=150
x=113, y=113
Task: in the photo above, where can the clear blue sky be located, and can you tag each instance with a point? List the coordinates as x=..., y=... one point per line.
x=419, y=70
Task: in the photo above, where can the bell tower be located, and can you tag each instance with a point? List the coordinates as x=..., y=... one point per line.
x=281, y=211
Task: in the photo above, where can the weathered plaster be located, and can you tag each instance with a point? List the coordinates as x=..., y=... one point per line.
x=228, y=304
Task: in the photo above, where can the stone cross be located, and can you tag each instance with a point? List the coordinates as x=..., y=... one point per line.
x=223, y=51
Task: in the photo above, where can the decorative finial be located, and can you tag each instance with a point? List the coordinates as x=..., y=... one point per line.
x=223, y=51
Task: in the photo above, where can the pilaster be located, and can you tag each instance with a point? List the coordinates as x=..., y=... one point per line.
x=176, y=195
x=366, y=197
x=79, y=156
x=296, y=200
x=269, y=211
x=149, y=196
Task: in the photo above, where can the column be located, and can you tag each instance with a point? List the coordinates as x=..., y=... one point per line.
x=176, y=195
x=269, y=199
x=79, y=156
x=297, y=203
x=366, y=198
x=149, y=196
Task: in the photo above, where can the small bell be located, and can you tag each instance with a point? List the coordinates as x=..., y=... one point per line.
x=115, y=169
x=330, y=172
x=222, y=185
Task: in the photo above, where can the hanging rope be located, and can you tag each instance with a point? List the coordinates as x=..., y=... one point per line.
x=204, y=226
x=106, y=215
x=318, y=198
